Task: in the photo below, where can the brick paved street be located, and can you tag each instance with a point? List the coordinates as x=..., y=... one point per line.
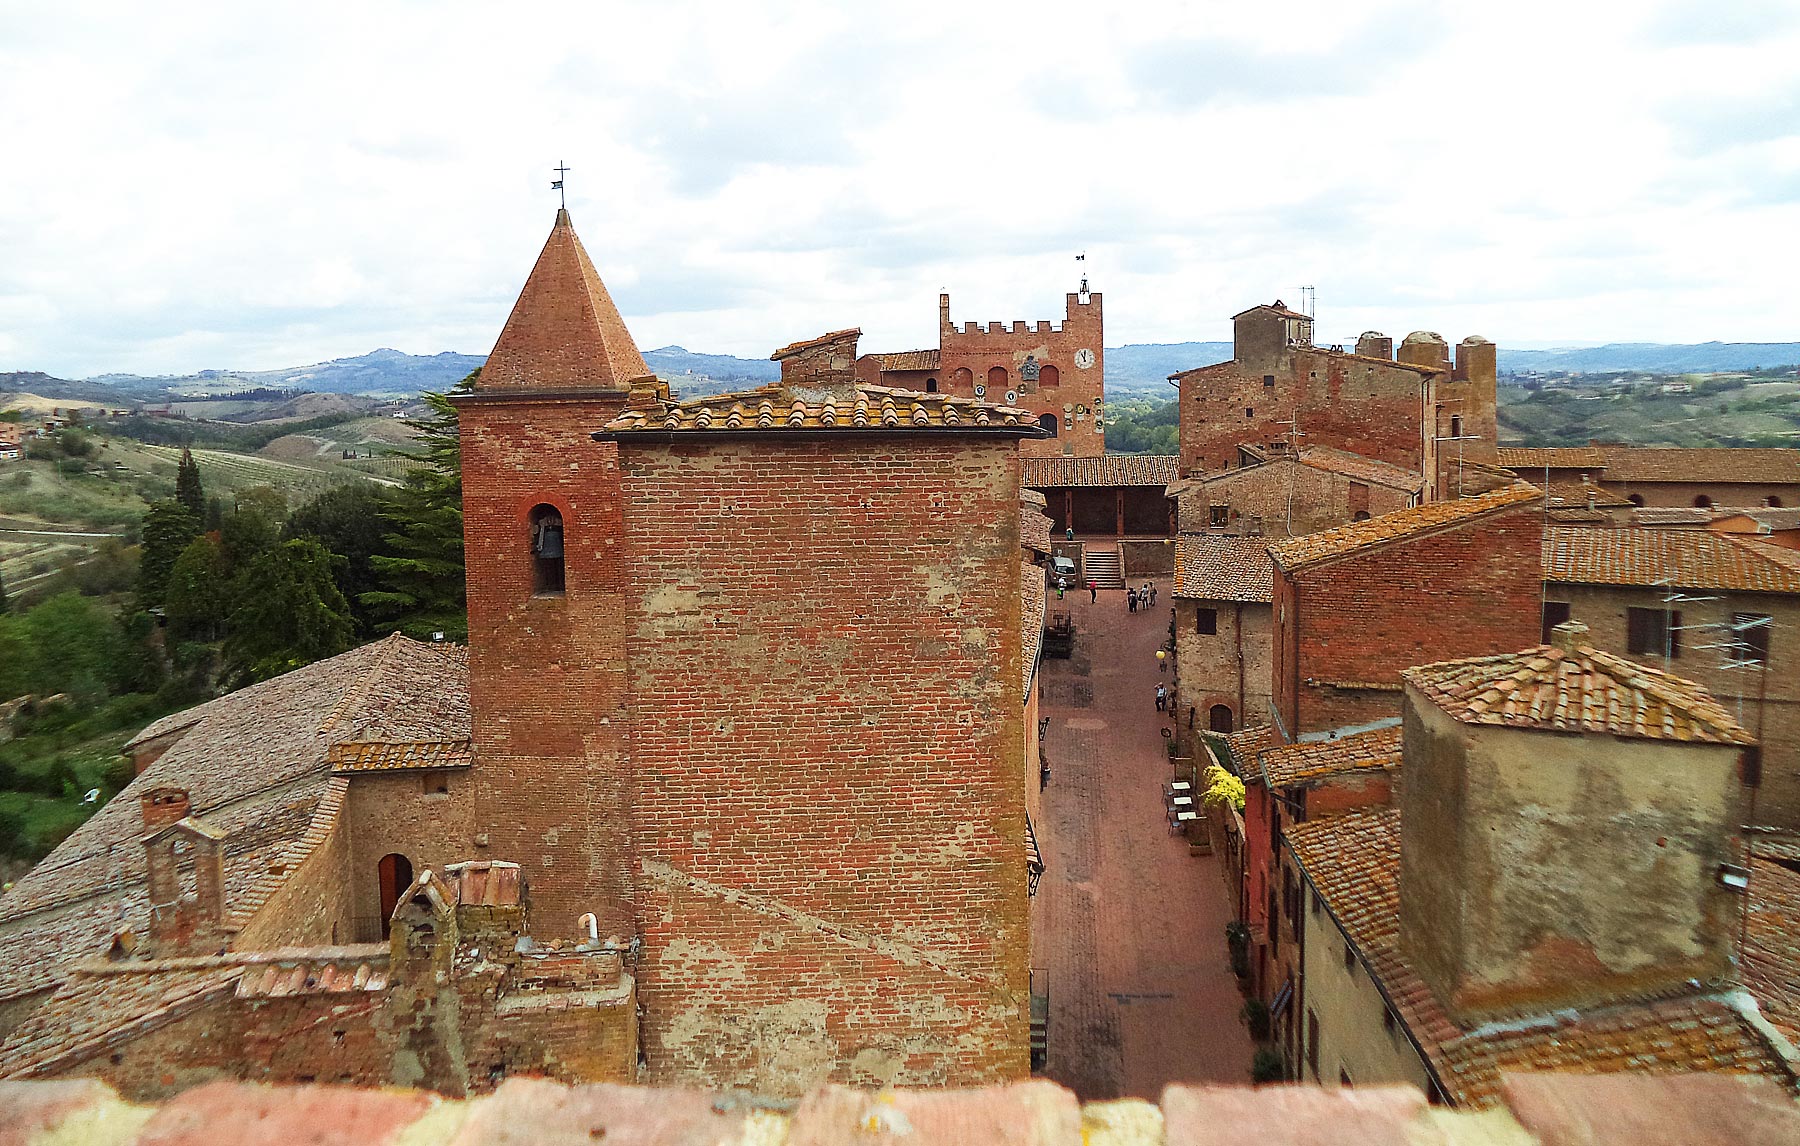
x=1130, y=926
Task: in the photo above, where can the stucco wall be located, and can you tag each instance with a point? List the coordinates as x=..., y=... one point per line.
x=1353, y=1036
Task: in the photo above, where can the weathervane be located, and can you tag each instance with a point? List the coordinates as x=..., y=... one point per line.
x=1082, y=258
x=562, y=196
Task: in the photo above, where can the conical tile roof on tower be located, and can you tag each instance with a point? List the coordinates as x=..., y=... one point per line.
x=564, y=332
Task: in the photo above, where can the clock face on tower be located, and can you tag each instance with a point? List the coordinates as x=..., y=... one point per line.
x=1084, y=358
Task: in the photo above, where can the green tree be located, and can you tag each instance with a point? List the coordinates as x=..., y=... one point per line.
x=246, y=535
x=168, y=529
x=187, y=485
x=18, y=659
x=421, y=573
x=75, y=444
x=198, y=596
x=76, y=647
x=348, y=521
x=290, y=614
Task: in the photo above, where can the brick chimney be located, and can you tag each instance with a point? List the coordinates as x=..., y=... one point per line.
x=182, y=923
x=164, y=806
x=828, y=361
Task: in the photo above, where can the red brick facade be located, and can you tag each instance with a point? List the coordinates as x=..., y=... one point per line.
x=1346, y=627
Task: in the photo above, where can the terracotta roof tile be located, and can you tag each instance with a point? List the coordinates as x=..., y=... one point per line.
x=1353, y=862
x=1290, y=764
x=1680, y=558
x=1576, y=494
x=90, y=1012
x=1362, y=469
x=382, y=757
x=1032, y=601
x=1573, y=687
x=256, y=765
x=1769, y=520
x=1628, y=464
x=1034, y=528
x=1673, y=515
x=1299, y=552
x=1771, y=955
x=487, y=883
x=1555, y=457
x=1242, y=746
x=849, y=408
x=1217, y=568
x=1106, y=470
x=908, y=360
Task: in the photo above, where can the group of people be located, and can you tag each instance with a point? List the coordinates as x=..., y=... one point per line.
x=1144, y=598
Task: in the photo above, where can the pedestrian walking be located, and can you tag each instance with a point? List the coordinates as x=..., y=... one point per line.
x=1094, y=592
x=1061, y=584
x=1162, y=699
x=1153, y=592
x=1131, y=600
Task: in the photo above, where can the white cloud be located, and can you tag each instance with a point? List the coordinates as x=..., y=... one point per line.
x=220, y=185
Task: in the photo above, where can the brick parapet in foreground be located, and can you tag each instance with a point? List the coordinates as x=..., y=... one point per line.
x=1551, y=1109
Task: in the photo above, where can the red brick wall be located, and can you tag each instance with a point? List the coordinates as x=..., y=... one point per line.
x=546, y=673
x=1465, y=591
x=392, y=812
x=827, y=735
x=979, y=347
x=1345, y=402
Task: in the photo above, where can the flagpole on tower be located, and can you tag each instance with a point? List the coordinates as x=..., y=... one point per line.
x=562, y=170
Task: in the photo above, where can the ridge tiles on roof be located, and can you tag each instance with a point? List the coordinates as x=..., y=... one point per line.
x=845, y=406
x=1297, y=552
x=1676, y=558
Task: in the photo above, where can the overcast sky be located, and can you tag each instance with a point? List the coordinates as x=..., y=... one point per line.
x=260, y=185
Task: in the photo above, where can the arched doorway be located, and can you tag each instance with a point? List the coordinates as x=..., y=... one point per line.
x=1701, y=501
x=1218, y=718
x=996, y=378
x=1048, y=422
x=396, y=873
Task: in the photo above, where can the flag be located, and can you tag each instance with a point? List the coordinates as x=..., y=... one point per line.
x=556, y=186
x=1080, y=258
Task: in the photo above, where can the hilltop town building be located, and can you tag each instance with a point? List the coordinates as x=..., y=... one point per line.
x=1055, y=370
x=1224, y=631
x=1356, y=605
x=1667, y=476
x=1558, y=889
x=1417, y=410
x=733, y=775
x=1279, y=493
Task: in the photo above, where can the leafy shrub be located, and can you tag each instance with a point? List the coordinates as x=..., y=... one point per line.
x=1267, y=1066
x=1256, y=1016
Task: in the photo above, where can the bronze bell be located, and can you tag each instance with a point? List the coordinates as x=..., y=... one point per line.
x=548, y=540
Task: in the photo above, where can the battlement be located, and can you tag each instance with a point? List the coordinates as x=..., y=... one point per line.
x=1076, y=305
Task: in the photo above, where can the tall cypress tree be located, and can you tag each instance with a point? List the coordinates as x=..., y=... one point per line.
x=187, y=485
x=421, y=574
x=168, y=529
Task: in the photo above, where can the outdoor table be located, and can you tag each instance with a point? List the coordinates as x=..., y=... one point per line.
x=1182, y=801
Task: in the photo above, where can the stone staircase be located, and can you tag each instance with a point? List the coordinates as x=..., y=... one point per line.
x=1103, y=566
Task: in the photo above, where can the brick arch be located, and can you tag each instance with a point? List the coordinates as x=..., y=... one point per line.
x=962, y=381
x=1049, y=376
x=1200, y=708
x=996, y=379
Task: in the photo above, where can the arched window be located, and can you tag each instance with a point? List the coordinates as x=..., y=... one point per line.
x=1048, y=421
x=1772, y=502
x=1360, y=515
x=1636, y=499
x=1049, y=376
x=962, y=380
x=546, y=550
x=996, y=379
x=1701, y=501
x=931, y=385
x=1218, y=718
x=1456, y=425
x=395, y=872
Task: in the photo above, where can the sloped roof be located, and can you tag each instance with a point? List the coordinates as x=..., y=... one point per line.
x=1243, y=745
x=1106, y=470
x=1570, y=686
x=91, y=1010
x=1034, y=528
x=1290, y=764
x=1771, y=954
x=1353, y=861
x=1298, y=552
x=1555, y=457
x=256, y=766
x=1679, y=558
x=564, y=331
x=1578, y=494
x=907, y=360
x=1032, y=602
x=1217, y=568
x=1669, y=464
x=1361, y=468
x=1276, y=308
x=1770, y=520
x=1674, y=515
x=848, y=408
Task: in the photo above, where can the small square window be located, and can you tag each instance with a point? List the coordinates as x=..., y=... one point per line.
x=1218, y=516
x=1249, y=411
x=1206, y=621
x=1268, y=379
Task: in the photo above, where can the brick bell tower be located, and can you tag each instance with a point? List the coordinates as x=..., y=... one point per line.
x=542, y=543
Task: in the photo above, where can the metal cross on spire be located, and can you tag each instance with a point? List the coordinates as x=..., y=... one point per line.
x=562, y=170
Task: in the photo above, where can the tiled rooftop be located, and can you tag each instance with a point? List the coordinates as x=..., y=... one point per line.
x=1107, y=470
x=908, y=360
x=1771, y=955
x=256, y=766
x=1657, y=464
x=1243, y=745
x=1298, y=552
x=1291, y=764
x=1224, y=568
x=1678, y=558
x=1034, y=528
x=847, y=407
x=1353, y=861
x=1770, y=520
x=92, y=1009
x=359, y=757
x=1570, y=686
x=1032, y=595
x=1362, y=469
x=1578, y=494
x=1673, y=515
x=1555, y=457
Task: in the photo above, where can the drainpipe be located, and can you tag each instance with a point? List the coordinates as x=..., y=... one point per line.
x=1238, y=629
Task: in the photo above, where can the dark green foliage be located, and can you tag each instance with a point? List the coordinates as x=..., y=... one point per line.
x=244, y=536
x=77, y=647
x=1266, y=1066
x=42, y=450
x=421, y=574
x=1237, y=940
x=168, y=528
x=243, y=439
x=197, y=598
x=75, y=444
x=289, y=612
x=1256, y=1016
x=1141, y=426
x=348, y=521
x=4, y=606
x=187, y=485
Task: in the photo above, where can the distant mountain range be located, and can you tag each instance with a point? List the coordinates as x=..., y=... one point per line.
x=1139, y=370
